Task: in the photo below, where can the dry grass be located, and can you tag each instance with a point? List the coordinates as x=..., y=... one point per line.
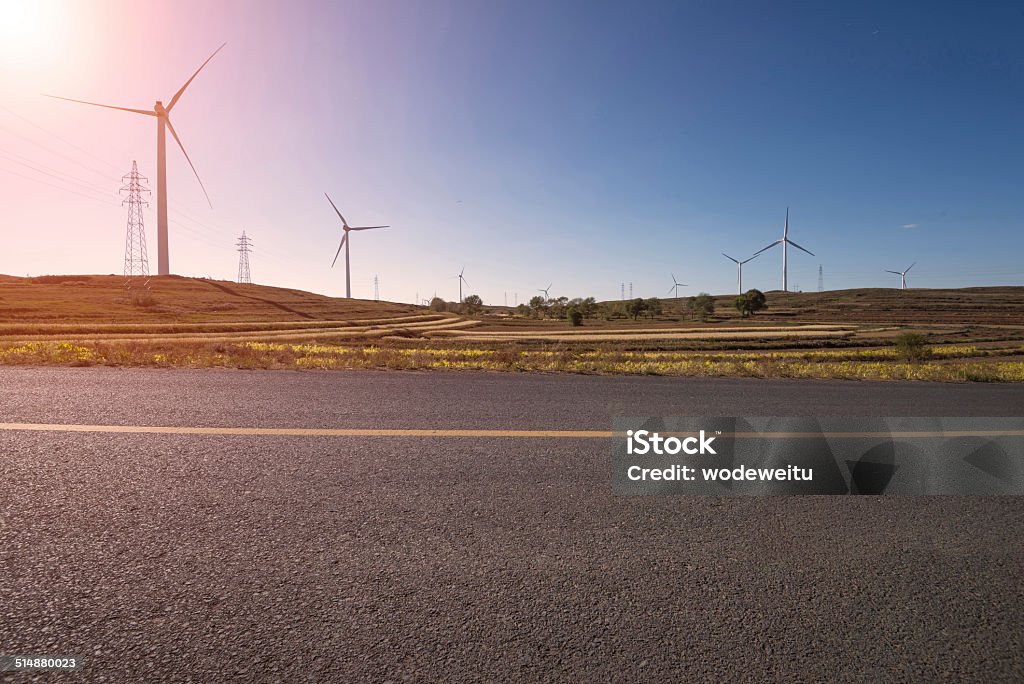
x=950, y=364
x=180, y=322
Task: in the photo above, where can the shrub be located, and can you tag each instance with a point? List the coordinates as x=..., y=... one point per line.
x=143, y=298
x=912, y=347
x=575, y=317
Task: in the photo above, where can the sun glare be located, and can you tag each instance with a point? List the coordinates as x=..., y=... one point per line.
x=29, y=28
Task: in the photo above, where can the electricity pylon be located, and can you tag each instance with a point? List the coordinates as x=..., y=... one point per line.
x=136, y=262
x=244, y=243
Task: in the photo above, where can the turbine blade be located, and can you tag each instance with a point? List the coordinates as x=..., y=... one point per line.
x=368, y=227
x=799, y=247
x=343, y=238
x=464, y=280
x=777, y=242
x=785, y=231
x=178, y=140
x=177, y=95
x=729, y=258
x=750, y=259
x=893, y=272
x=910, y=267
x=343, y=221
x=97, y=104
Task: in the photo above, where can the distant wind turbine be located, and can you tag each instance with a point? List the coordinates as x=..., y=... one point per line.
x=163, y=124
x=345, y=242
x=739, y=270
x=545, y=291
x=785, y=242
x=676, y=285
x=903, y=275
x=461, y=280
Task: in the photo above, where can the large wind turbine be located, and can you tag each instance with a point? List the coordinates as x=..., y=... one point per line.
x=163, y=123
x=903, y=275
x=739, y=270
x=345, y=243
x=676, y=285
x=461, y=280
x=785, y=242
x=545, y=291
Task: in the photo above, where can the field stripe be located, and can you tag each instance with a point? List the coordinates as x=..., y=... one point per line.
x=454, y=433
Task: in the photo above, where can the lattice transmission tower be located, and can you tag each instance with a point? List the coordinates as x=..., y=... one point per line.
x=821, y=279
x=244, y=243
x=136, y=262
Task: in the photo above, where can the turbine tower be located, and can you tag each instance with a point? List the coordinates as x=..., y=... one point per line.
x=739, y=270
x=345, y=243
x=545, y=291
x=785, y=242
x=675, y=286
x=163, y=124
x=461, y=280
x=903, y=275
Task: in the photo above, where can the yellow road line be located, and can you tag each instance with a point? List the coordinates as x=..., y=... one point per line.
x=549, y=434
x=300, y=432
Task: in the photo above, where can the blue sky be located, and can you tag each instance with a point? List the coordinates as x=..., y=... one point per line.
x=581, y=143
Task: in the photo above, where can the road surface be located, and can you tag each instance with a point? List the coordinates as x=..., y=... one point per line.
x=193, y=556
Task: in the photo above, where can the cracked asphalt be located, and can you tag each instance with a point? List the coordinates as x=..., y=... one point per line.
x=166, y=558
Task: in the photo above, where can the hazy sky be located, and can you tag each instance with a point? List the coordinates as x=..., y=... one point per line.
x=582, y=143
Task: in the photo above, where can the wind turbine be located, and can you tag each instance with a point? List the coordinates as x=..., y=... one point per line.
x=461, y=280
x=345, y=242
x=739, y=270
x=545, y=291
x=676, y=285
x=163, y=124
x=903, y=275
x=785, y=242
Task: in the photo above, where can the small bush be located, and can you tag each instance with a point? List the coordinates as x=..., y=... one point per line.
x=143, y=298
x=576, y=317
x=912, y=347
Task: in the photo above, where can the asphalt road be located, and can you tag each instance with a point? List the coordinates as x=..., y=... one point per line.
x=303, y=558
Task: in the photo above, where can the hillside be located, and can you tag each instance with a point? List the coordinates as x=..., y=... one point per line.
x=82, y=299
x=965, y=306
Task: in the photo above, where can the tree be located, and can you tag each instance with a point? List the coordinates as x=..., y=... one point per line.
x=575, y=316
x=653, y=307
x=539, y=306
x=557, y=307
x=701, y=306
x=523, y=310
x=636, y=307
x=588, y=307
x=750, y=302
x=472, y=304
x=438, y=304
